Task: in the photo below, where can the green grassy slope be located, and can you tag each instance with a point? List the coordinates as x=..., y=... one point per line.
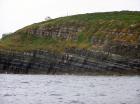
x=94, y=23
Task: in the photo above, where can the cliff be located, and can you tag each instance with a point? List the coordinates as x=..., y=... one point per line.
x=81, y=62
x=104, y=41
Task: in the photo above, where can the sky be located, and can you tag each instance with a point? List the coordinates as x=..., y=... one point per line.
x=16, y=14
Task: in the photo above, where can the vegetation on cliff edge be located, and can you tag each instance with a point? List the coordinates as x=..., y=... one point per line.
x=96, y=28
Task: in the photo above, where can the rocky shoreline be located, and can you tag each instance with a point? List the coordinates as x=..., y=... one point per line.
x=70, y=62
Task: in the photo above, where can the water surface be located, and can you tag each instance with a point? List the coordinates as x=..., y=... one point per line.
x=69, y=89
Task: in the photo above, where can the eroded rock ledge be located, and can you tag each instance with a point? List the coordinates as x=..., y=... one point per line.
x=71, y=62
x=122, y=42
x=69, y=32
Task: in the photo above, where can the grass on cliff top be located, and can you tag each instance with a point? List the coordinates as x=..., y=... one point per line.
x=113, y=20
x=94, y=24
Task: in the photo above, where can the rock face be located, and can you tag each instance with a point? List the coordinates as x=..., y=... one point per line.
x=90, y=43
x=123, y=49
x=43, y=62
x=121, y=42
x=69, y=32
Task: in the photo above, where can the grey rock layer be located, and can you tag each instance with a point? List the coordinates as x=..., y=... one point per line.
x=87, y=62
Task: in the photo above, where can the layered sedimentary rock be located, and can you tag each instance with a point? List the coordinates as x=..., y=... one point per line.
x=43, y=62
x=86, y=43
x=64, y=32
x=122, y=42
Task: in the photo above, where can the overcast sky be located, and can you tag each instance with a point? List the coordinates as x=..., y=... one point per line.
x=15, y=14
